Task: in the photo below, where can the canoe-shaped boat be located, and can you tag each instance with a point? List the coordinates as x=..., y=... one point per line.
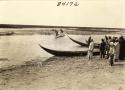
x=83, y=44
x=67, y=53
x=60, y=35
x=6, y=33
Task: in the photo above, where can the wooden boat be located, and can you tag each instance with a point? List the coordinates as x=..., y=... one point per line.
x=60, y=35
x=9, y=33
x=67, y=53
x=83, y=44
x=6, y=33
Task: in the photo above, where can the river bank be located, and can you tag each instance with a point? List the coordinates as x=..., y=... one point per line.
x=65, y=73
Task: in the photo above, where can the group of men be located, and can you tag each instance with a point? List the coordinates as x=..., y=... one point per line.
x=112, y=48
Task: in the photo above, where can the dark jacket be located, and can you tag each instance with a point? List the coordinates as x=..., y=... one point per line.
x=102, y=46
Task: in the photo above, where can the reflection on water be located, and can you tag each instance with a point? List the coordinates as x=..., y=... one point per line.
x=20, y=48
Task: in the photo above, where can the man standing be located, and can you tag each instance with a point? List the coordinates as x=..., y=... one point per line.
x=91, y=48
x=117, y=49
x=112, y=52
x=122, y=48
x=102, y=49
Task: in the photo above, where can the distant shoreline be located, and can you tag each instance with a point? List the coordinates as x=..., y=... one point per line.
x=51, y=26
x=49, y=31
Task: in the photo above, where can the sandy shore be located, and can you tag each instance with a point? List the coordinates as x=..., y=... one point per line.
x=64, y=73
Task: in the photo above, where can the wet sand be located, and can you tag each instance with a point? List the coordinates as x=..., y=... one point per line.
x=64, y=73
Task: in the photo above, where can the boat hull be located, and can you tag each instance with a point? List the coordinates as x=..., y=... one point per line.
x=67, y=53
x=6, y=33
x=60, y=36
x=83, y=44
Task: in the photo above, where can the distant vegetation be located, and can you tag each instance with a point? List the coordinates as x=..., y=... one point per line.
x=44, y=29
x=45, y=26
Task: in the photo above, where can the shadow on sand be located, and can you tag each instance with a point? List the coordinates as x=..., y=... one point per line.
x=61, y=58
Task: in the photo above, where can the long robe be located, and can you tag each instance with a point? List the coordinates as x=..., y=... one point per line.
x=122, y=48
x=90, y=51
x=117, y=49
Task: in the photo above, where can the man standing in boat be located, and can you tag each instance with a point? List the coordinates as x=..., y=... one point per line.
x=91, y=48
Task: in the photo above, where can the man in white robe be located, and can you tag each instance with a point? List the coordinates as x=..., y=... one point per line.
x=91, y=48
x=117, y=48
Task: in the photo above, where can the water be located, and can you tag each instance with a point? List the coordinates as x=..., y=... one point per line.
x=17, y=49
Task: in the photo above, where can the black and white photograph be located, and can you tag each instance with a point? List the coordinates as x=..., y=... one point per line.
x=62, y=45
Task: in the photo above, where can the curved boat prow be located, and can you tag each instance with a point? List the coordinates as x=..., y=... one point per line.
x=43, y=47
x=81, y=43
x=40, y=45
x=78, y=42
x=47, y=50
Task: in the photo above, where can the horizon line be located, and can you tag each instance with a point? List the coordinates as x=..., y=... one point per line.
x=51, y=26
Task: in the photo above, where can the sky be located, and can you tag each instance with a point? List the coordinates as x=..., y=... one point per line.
x=89, y=13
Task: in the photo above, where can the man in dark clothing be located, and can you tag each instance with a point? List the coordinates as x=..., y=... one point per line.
x=102, y=49
x=122, y=48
